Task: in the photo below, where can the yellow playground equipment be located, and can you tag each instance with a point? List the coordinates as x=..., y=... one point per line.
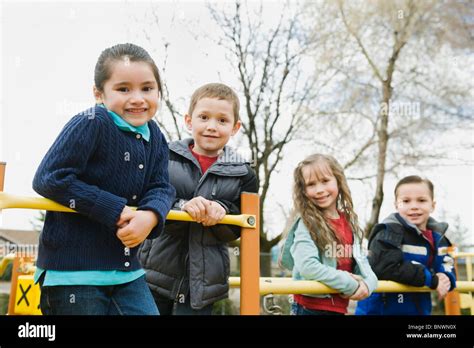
x=466, y=299
x=6, y=261
x=25, y=296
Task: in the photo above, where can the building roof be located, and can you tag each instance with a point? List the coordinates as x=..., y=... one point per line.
x=20, y=236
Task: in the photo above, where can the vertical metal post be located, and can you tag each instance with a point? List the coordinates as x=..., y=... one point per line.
x=2, y=175
x=469, y=279
x=16, y=262
x=13, y=285
x=250, y=258
x=3, y=165
x=452, y=301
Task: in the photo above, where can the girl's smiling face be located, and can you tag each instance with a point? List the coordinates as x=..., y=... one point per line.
x=321, y=187
x=131, y=92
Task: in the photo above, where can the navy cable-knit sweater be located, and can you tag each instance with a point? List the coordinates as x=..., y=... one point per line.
x=96, y=169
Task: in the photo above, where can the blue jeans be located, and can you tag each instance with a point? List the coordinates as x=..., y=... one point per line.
x=169, y=307
x=297, y=309
x=133, y=298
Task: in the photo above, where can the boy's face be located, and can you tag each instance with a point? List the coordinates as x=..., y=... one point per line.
x=131, y=92
x=414, y=203
x=212, y=125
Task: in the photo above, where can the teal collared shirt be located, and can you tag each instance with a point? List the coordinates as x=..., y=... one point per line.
x=143, y=130
x=55, y=278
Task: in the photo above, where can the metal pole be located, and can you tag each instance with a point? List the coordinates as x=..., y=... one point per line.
x=452, y=301
x=277, y=286
x=3, y=166
x=250, y=257
x=2, y=175
x=9, y=201
x=469, y=278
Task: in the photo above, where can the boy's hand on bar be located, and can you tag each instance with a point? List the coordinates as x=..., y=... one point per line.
x=214, y=213
x=443, y=285
x=204, y=211
x=197, y=208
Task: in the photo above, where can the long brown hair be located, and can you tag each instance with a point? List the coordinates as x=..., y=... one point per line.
x=319, y=228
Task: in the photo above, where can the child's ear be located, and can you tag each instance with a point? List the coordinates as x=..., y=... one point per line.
x=434, y=206
x=236, y=127
x=97, y=95
x=187, y=122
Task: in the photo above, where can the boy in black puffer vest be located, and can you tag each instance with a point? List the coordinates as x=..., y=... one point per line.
x=187, y=266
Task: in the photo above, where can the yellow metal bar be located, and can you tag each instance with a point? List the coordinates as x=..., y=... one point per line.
x=250, y=258
x=289, y=286
x=462, y=254
x=242, y=220
x=9, y=201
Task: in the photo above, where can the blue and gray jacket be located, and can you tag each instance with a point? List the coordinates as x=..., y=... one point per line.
x=398, y=251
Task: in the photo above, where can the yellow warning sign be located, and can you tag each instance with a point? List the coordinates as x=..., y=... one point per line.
x=27, y=296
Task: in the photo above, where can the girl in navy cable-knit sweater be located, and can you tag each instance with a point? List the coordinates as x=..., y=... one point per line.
x=105, y=158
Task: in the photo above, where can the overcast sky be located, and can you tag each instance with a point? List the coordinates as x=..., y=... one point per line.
x=48, y=53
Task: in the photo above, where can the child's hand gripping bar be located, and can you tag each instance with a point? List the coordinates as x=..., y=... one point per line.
x=9, y=201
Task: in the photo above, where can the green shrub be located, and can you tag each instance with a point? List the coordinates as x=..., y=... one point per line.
x=4, y=303
x=224, y=307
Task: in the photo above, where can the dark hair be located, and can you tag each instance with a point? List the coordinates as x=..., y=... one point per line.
x=217, y=91
x=415, y=179
x=127, y=51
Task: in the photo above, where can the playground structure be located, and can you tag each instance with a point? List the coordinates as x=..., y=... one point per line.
x=250, y=283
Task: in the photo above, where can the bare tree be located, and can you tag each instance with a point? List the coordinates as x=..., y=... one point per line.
x=401, y=84
x=373, y=60
x=460, y=235
x=172, y=109
x=278, y=90
x=270, y=66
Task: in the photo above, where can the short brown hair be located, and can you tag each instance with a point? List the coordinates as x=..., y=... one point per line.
x=217, y=91
x=415, y=179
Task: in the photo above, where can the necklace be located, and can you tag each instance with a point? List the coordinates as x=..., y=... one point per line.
x=332, y=216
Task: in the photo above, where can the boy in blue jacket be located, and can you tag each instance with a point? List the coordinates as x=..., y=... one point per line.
x=410, y=247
